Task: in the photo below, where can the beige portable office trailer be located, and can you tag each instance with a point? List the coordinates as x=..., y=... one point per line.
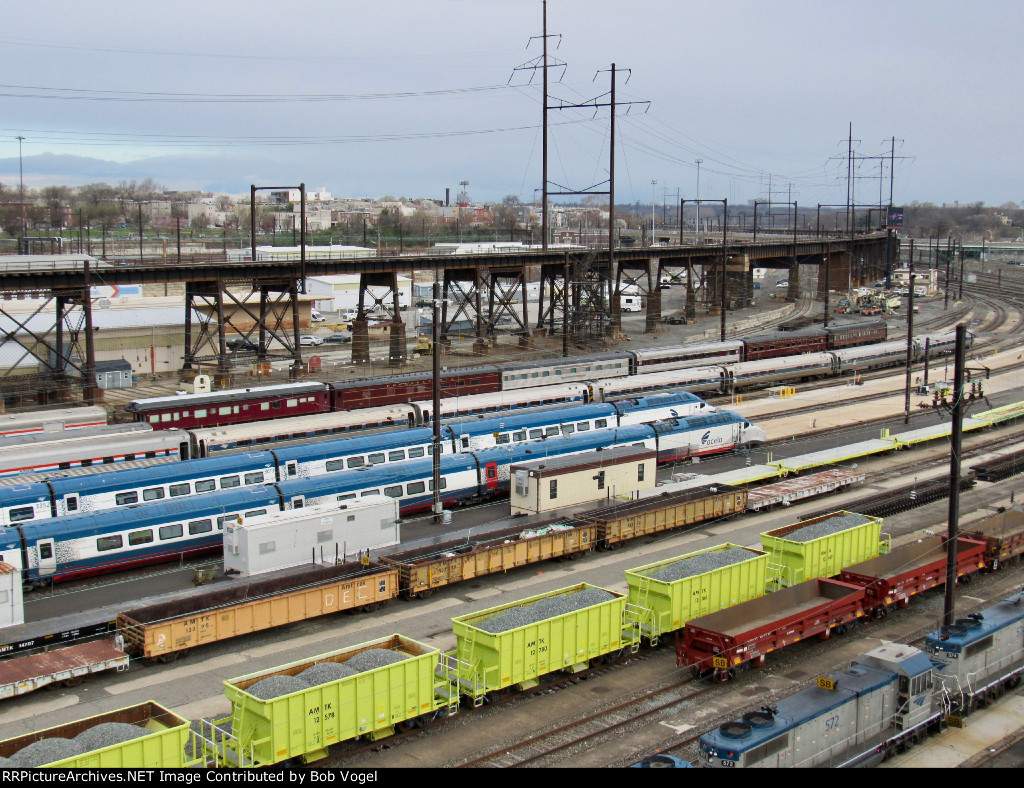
x=613, y=474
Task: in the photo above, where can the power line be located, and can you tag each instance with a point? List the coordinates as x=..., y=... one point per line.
x=82, y=94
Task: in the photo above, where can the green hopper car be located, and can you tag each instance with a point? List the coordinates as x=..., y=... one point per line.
x=162, y=746
x=304, y=723
x=673, y=603
x=794, y=560
x=489, y=662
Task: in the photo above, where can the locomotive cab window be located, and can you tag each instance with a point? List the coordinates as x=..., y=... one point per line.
x=978, y=646
x=768, y=749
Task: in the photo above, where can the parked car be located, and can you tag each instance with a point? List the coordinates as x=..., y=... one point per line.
x=242, y=344
x=338, y=339
x=310, y=339
x=782, y=283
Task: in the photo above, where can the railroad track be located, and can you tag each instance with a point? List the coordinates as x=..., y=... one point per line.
x=556, y=742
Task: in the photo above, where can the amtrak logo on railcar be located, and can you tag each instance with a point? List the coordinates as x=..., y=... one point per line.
x=707, y=440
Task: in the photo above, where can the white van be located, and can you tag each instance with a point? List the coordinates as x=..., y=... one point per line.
x=317, y=317
x=630, y=303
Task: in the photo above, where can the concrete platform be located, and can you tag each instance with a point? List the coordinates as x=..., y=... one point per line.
x=955, y=746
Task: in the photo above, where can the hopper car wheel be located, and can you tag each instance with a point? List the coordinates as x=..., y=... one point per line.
x=165, y=658
x=426, y=593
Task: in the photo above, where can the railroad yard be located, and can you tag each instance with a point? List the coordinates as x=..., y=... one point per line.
x=619, y=704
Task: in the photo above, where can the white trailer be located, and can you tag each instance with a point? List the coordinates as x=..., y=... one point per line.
x=311, y=536
x=630, y=303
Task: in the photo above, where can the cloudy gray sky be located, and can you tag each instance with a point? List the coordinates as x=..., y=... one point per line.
x=408, y=97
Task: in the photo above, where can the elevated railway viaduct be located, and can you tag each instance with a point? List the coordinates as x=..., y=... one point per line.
x=262, y=299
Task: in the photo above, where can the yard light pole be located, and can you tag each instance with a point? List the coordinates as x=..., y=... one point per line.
x=21, y=181
x=653, y=184
x=696, y=222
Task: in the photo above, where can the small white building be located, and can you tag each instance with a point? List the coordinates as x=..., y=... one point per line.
x=927, y=278
x=289, y=253
x=311, y=536
x=340, y=293
x=553, y=483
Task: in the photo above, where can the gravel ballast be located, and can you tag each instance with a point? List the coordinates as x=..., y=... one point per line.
x=699, y=564
x=44, y=751
x=374, y=658
x=109, y=733
x=548, y=607
x=324, y=673
x=276, y=686
x=832, y=525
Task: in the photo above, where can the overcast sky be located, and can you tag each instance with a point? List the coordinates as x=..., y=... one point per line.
x=408, y=97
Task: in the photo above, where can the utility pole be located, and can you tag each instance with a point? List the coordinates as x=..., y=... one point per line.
x=949, y=256
x=544, y=145
x=960, y=297
x=653, y=184
x=544, y=64
x=696, y=221
x=613, y=105
x=435, y=354
x=910, y=336
x=956, y=443
x=21, y=181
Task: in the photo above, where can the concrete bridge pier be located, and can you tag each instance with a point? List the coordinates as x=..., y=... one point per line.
x=360, y=340
x=397, y=354
x=793, y=291
x=690, y=306
x=837, y=271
